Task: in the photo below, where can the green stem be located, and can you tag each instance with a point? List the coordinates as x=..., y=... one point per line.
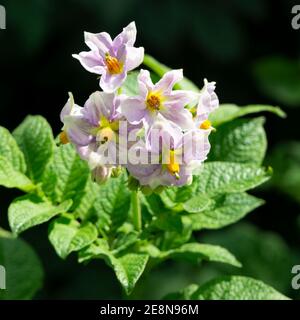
x=136, y=210
x=155, y=66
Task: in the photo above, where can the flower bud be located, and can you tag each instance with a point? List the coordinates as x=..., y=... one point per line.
x=101, y=174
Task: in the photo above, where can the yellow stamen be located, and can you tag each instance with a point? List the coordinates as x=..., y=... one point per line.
x=205, y=125
x=173, y=166
x=106, y=134
x=114, y=66
x=63, y=138
x=154, y=100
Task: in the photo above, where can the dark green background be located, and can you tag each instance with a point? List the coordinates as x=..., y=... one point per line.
x=219, y=40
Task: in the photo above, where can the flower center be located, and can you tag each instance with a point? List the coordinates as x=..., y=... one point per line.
x=106, y=134
x=173, y=166
x=106, y=131
x=205, y=125
x=114, y=66
x=154, y=100
x=63, y=138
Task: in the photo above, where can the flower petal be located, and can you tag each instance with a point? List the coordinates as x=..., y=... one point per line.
x=98, y=42
x=134, y=109
x=111, y=82
x=166, y=83
x=145, y=83
x=91, y=61
x=179, y=115
x=180, y=98
x=208, y=100
x=99, y=104
x=127, y=36
x=134, y=58
x=78, y=130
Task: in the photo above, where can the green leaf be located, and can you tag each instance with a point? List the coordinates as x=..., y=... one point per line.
x=241, y=140
x=130, y=86
x=279, y=79
x=65, y=176
x=226, y=177
x=285, y=159
x=227, y=209
x=173, y=197
x=161, y=69
x=128, y=267
x=124, y=241
x=183, y=294
x=197, y=203
x=67, y=235
x=229, y=112
x=86, y=208
x=264, y=254
x=178, y=234
x=236, y=288
x=28, y=211
x=11, y=178
x=34, y=137
x=114, y=200
x=198, y=251
x=24, y=273
x=10, y=151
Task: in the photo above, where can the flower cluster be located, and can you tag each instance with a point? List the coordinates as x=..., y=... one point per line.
x=154, y=135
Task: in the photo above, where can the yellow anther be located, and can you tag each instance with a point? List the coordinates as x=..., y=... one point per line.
x=63, y=138
x=106, y=134
x=173, y=166
x=114, y=66
x=154, y=100
x=205, y=125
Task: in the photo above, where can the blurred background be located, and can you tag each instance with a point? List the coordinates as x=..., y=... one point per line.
x=247, y=46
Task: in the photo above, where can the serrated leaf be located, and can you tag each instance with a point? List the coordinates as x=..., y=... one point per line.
x=226, y=177
x=153, y=203
x=236, y=288
x=241, y=140
x=34, y=137
x=65, y=176
x=24, y=273
x=264, y=254
x=173, y=197
x=128, y=267
x=227, y=209
x=286, y=161
x=198, y=251
x=86, y=208
x=161, y=69
x=197, y=203
x=114, y=200
x=175, y=237
x=183, y=294
x=10, y=151
x=67, y=235
x=11, y=178
x=124, y=241
x=28, y=211
x=229, y=112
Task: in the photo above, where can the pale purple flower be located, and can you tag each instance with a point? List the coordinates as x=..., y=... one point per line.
x=93, y=129
x=159, y=98
x=208, y=102
x=111, y=59
x=178, y=155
